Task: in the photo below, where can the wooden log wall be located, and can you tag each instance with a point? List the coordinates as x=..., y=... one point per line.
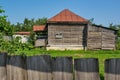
x=40, y=42
x=100, y=38
x=108, y=39
x=94, y=40
x=72, y=34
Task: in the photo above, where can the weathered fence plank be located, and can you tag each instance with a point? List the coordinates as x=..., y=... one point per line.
x=86, y=69
x=112, y=69
x=39, y=67
x=16, y=68
x=62, y=68
x=3, y=57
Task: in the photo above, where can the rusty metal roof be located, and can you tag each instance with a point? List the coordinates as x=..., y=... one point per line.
x=39, y=28
x=67, y=16
x=23, y=33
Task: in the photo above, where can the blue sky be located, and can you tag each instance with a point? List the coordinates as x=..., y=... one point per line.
x=103, y=11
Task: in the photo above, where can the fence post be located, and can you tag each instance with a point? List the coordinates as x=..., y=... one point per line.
x=39, y=67
x=112, y=69
x=86, y=69
x=16, y=68
x=3, y=57
x=62, y=68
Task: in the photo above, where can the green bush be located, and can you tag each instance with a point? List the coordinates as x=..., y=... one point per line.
x=14, y=46
x=118, y=45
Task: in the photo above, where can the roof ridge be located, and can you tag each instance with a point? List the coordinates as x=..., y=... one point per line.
x=67, y=16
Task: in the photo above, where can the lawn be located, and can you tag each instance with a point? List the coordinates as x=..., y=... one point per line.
x=100, y=54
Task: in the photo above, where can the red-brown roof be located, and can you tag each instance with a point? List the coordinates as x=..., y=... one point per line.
x=39, y=28
x=23, y=33
x=67, y=16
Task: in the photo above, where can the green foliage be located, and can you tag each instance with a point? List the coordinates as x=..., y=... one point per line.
x=28, y=24
x=41, y=21
x=5, y=26
x=32, y=38
x=91, y=20
x=118, y=44
x=115, y=27
x=13, y=46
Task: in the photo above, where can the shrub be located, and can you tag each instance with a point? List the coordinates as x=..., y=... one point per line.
x=13, y=46
x=118, y=45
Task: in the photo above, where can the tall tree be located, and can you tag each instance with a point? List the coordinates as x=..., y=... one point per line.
x=5, y=26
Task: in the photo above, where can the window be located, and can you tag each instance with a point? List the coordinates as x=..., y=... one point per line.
x=59, y=36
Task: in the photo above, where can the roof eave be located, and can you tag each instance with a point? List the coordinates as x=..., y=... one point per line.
x=103, y=27
x=75, y=22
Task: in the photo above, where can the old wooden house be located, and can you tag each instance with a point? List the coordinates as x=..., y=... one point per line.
x=67, y=30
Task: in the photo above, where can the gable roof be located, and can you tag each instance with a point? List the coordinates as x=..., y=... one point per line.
x=67, y=16
x=39, y=28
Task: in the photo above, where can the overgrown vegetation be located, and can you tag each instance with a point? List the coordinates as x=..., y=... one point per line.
x=116, y=27
x=13, y=45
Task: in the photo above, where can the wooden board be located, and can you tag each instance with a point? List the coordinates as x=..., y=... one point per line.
x=39, y=67
x=62, y=68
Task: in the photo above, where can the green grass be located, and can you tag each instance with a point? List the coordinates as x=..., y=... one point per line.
x=100, y=54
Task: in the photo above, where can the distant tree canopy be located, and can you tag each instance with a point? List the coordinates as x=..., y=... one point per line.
x=115, y=27
x=28, y=24
x=5, y=26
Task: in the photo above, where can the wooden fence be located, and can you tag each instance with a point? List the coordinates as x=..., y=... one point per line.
x=45, y=67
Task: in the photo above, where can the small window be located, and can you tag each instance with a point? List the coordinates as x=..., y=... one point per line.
x=59, y=36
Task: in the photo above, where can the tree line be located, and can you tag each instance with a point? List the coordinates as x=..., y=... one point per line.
x=28, y=24
x=8, y=29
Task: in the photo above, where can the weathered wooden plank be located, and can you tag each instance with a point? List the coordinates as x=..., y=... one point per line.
x=86, y=69
x=16, y=68
x=118, y=69
x=110, y=69
x=108, y=45
x=80, y=66
x=62, y=68
x=94, y=33
x=108, y=36
x=40, y=42
x=3, y=72
x=39, y=67
x=108, y=40
x=94, y=39
x=106, y=30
